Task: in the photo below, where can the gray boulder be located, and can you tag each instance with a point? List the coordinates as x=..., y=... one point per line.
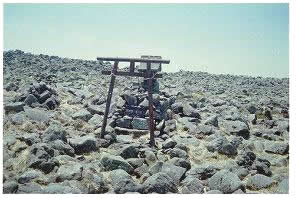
x=140, y=123
x=16, y=107
x=225, y=181
x=30, y=100
x=169, y=143
x=54, y=132
x=192, y=185
x=10, y=187
x=83, y=144
x=29, y=176
x=283, y=187
x=111, y=162
x=69, y=172
x=159, y=183
x=62, y=147
x=129, y=151
x=277, y=148
x=122, y=182
x=259, y=181
x=82, y=114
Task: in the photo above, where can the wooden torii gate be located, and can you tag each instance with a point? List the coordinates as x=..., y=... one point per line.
x=148, y=74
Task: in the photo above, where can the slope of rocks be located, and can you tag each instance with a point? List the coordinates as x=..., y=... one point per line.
x=223, y=133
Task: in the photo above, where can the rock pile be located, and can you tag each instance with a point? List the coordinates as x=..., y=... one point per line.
x=214, y=133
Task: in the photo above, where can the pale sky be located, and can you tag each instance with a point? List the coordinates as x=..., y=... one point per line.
x=241, y=39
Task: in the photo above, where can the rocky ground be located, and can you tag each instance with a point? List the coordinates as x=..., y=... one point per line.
x=225, y=133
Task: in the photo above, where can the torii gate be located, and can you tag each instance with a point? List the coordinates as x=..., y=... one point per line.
x=148, y=74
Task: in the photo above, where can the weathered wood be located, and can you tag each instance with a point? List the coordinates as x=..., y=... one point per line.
x=132, y=67
x=140, y=60
x=151, y=111
x=136, y=74
x=111, y=85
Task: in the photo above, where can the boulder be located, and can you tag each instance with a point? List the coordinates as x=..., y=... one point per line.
x=192, y=185
x=28, y=176
x=225, y=181
x=283, y=187
x=69, y=172
x=54, y=132
x=62, y=147
x=122, y=182
x=129, y=151
x=159, y=183
x=140, y=123
x=83, y=144
x=30, y=99
x=281, y=148
x=16, y=107
x=111, y=162
x=82, y=114
x=259, y=181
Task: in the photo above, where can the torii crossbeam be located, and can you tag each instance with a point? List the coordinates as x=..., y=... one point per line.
x=148, y=74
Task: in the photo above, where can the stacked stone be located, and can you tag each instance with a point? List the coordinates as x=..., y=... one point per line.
x=134, y=113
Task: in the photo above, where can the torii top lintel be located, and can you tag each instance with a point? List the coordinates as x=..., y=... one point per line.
x=140, y=60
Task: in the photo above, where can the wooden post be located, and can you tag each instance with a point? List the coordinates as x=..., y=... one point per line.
x=150, y=99
x=108, y=101
x=132, y=67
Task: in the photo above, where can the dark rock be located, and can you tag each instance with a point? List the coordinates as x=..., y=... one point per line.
x=111, y=162
x=124, y=122
x=237, y=127
x=213, y=120
x=258, y=182
x=178, y=153
x=159, y=183
x=16, y=107
x=202, y=172
x=29, y=188
x=192, y=185
x=69, y=172
x=141, y=170
x=246, y=158
x=82, y=114
x=96, y=120
x=189, y=111
x=10, y=187
x=135, y=162
x=30, y=100
x=18, y=118
x=38, y=115
x=122, y=182
x=175, y=172
x=96, y=109
x=129, y=151
x=83, y=144
x=51, y=103
x=140, y=123
x=277, y=148
x=181, y=162
x=131, y=100
x=62, y=147
x=41, y=158
x=29, y=176
x=225, y=181
x=95, y=182
x=30, y=138
x=44, y=96
x=169, y=143
x=262, y=166
x=54, y=132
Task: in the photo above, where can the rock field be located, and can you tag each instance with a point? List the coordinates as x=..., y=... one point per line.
x=222, y=133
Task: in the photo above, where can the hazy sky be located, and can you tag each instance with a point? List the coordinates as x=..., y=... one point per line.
x=244, y=39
